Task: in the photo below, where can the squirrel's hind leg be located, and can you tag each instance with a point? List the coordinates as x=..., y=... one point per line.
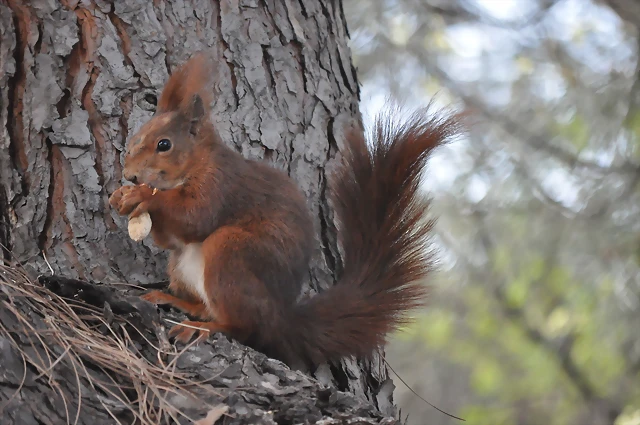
x=179, y=295
x=244, y=306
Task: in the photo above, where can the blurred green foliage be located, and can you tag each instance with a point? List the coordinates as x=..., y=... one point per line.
x=503, y=344
x=576, y=131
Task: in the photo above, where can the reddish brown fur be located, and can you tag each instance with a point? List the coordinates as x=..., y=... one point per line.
x=184, y=83
x=256, y=230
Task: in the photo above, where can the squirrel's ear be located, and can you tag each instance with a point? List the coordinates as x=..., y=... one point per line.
x=195, y=113
x=191, y=77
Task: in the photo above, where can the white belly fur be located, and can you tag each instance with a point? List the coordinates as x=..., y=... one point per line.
x=190, y=267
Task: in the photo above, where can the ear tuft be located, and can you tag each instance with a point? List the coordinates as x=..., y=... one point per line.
x=189, y=80
x=195, y=112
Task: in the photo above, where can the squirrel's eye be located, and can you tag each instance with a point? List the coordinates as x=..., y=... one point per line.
x=164, y=145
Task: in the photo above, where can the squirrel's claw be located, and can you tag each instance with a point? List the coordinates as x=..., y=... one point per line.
x=116, y=197
x=185, y=330
x=194, y=308
x=134, y=200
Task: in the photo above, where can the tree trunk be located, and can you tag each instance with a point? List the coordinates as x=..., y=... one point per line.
x=78, y=77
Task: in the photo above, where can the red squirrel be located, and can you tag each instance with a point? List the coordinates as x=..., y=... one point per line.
x=241, y=234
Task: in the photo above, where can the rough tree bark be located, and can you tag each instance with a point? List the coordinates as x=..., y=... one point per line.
x=77, y=77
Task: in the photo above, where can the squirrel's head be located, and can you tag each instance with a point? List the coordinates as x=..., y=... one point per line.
x=163, y=153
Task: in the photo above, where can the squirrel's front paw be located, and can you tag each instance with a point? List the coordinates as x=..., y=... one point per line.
x=158, y=297
x=116, y=197
x=134, y=200
x=185, y=331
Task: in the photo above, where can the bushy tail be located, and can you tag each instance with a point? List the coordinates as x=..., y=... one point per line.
x=384, y=234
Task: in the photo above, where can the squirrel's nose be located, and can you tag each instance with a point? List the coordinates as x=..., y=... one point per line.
x=130, y=176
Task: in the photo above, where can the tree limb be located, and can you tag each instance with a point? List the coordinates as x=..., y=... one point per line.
x=100, y=355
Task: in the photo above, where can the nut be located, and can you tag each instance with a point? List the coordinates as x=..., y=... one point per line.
x=139, y=227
